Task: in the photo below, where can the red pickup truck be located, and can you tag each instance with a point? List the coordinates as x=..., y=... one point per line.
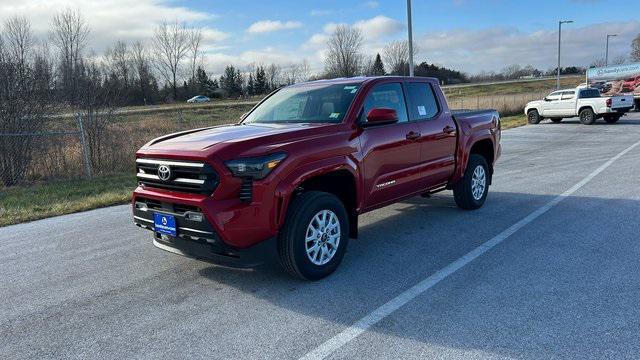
x=293, y=175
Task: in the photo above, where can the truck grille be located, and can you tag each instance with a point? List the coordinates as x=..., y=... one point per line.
x=182, y=176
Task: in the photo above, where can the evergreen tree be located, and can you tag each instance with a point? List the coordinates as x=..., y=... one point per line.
x=250, y=86
x=260, y=81
x=378, y=67
x=231, y=81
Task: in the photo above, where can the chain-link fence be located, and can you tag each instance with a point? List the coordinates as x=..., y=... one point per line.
x=77, y=146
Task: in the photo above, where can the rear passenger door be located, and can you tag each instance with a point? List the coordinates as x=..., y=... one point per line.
x=437, y=134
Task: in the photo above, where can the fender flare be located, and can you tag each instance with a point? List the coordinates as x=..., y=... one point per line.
x=465, y=152
x=287, y=185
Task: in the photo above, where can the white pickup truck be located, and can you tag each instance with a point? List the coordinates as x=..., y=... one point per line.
x=587, y=103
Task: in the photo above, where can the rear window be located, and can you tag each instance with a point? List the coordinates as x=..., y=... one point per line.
x=422, y=101
x=589, y=93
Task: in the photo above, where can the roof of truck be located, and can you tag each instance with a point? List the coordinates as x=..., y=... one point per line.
x=363, y=79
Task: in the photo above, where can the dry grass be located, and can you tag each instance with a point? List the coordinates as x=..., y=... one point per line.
x=524, y=87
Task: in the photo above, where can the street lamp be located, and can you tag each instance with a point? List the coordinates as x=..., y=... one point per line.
x=410, y=38
x=606, y=57
x=559, y=41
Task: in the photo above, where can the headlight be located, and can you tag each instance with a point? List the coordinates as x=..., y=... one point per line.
x=256, y=168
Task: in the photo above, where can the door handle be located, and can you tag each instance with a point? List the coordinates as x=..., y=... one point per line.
x=449, y=129
x=412, y=135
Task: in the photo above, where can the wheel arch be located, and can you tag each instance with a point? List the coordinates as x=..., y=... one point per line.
x=335, y=176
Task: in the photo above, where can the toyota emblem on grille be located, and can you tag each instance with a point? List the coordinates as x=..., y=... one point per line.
x=164, y=172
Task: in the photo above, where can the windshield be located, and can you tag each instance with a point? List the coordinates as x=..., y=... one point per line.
x=311, y=103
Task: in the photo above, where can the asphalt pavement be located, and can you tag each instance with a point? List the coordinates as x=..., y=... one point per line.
x=564, y=284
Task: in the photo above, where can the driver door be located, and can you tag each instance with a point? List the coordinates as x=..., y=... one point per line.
x=552, y=104
x=391, y=152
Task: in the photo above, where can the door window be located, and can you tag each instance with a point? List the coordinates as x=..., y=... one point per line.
x=555, y=96
x=568, y=95
x=386, y=96
x=422, y=100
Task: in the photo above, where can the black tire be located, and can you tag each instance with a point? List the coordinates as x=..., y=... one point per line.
x=612, y=119
x=533, y=117
x=556, y=120
x=587, y=117
x=462, y=190
x=291, y=240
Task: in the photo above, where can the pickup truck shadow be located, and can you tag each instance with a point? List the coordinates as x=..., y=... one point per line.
x=406, y=242
x=623, y=121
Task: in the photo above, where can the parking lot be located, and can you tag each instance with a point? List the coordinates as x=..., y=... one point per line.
x=548, y=268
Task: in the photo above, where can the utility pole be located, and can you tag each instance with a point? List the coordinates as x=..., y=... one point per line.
x=606, y=57
x=559, y=47
x=410, y=38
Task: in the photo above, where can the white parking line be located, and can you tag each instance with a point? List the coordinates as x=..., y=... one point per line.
x=328, y=347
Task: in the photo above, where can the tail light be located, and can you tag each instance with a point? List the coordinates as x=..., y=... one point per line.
x=609, y=102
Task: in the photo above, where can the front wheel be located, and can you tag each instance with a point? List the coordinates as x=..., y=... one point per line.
x=587, y=117
x=611, y=119
x=533, y=117
x=315, y=235
x=471, y=191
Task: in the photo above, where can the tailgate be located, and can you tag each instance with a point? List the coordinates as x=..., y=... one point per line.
x=620, y=102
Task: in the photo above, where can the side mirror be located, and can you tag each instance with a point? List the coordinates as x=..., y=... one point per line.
x=381, y=116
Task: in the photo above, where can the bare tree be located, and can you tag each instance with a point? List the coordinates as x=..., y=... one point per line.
x=69, y=34
x=141, y=64
x=171, y=44
x=20, y=41
x=635, y=49
x=25, y=101
x=272, y=73
x=119, y=62
x=396, y=56
x=195, y=40
x=343, y=57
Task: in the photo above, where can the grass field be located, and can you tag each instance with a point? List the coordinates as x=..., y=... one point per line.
x=21, y=204
x=513, y=88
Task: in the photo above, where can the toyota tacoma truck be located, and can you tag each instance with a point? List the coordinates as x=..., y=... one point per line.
x=293, y=175
x=587, y=103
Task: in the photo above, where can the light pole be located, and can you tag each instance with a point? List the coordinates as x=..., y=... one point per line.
x=410, y=38
x=559, y=41
x=606, y=57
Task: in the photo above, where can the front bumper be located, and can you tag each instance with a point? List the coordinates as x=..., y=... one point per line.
x=196, y=237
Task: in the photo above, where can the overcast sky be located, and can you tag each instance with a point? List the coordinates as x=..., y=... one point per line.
x=467, y=35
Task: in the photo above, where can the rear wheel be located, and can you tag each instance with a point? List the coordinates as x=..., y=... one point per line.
x=556, y=120
x=471, y=191
x=533, y=117
x=315, y=235
x=611, y=119
x=587, y=117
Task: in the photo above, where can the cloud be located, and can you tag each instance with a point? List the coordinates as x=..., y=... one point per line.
x=496, y=47
x=379, y=26
x=266, y=26
x=127, y=20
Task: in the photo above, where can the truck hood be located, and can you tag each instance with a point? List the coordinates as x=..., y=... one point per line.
x=233, y=140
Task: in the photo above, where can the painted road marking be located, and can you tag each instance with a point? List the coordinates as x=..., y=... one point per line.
x=328, y=347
